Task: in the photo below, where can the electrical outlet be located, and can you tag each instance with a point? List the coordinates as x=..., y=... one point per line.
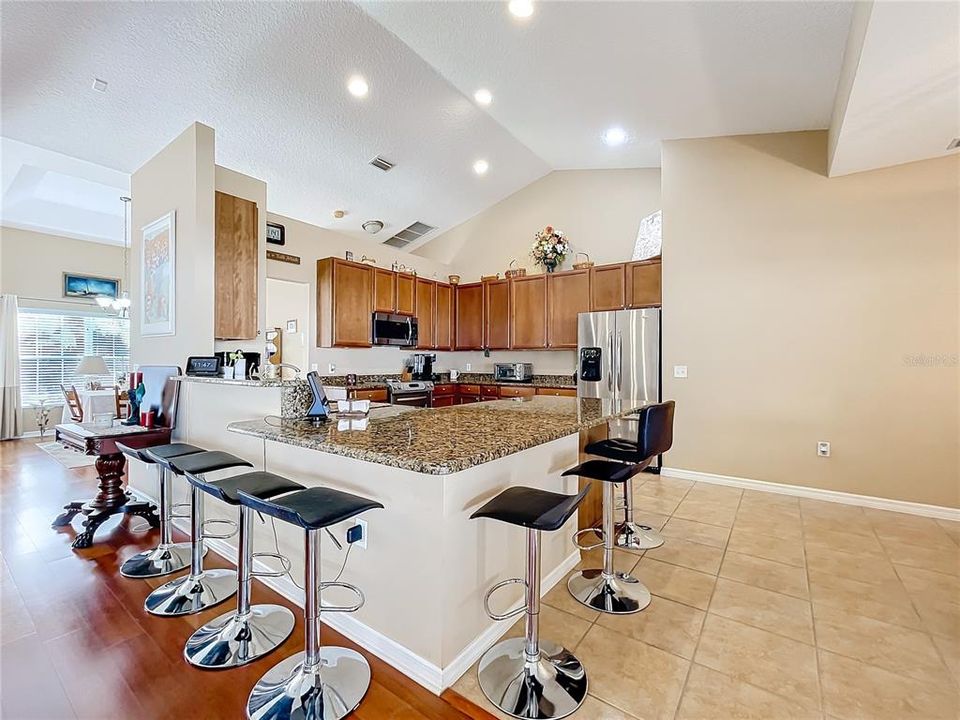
x=823, y=448
x=314, y=367
x=679, y=371
x=332, y=367
x=469, y=367
x=357, y=534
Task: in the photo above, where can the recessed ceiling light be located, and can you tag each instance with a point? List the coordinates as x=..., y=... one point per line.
x=483, y=96
x=521, y=8
x=615, y=136
x=480, y=167
x=357, y=86
x=99, y=85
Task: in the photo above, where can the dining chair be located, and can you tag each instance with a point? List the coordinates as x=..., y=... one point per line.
x=72, y=398
x=121, y=400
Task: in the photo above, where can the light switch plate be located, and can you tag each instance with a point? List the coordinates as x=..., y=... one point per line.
x=332, y=367
x=823, y=448
x=679, y=371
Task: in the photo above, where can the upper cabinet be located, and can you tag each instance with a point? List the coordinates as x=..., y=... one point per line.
x=568, y=294
x=426, y=314
x=643, y=283
x=236, y=254
x=469, y=316
x=344, y=303
x=384, y=290
x=607, y=287
x=443, y=333
x=497, y=316
x=406, y=294
x=528, y=299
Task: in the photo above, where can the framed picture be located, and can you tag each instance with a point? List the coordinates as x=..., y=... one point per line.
x=276, y=234
x=348, y=255
x=158, y=269
x=291, y=326
x=87, y=286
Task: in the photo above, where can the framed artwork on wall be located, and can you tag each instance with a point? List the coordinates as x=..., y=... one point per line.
x=158, y=269
x=76, y=285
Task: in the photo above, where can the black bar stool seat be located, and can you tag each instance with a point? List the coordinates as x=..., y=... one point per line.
x=605, y=470
x=326, y=683
x=526, y=677
x=251, y=631
x=615, y=449
x=201, y=588
x=168, y=557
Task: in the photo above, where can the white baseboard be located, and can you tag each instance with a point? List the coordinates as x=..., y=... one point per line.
x=933, y=511
x=421, y=671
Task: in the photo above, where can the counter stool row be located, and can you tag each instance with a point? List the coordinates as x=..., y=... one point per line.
x=294, y=687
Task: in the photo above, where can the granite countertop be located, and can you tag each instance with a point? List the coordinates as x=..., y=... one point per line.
x=375, y=382
x=439, y=441
x=232, y=381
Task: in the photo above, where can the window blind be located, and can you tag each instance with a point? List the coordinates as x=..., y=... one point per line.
x=52, y=343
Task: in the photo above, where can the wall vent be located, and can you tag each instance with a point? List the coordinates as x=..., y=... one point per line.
x=409, y=234
x=382, y=164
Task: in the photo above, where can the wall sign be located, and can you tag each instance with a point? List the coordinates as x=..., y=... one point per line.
x=283, y=257
x=276, y=234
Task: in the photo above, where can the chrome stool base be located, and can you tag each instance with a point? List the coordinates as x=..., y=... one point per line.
x=162, y=560
x=188, y=595
x=618, y=594
x=637, y=537
x=289, y=692
x=552, y=687
x=230, y=640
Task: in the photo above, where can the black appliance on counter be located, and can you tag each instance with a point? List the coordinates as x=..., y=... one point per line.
x=423, y=366
x=398, y=330
x=252, y=358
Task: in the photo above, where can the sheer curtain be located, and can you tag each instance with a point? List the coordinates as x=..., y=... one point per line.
x=10, y=414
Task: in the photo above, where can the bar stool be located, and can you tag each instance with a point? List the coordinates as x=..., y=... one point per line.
x=605, y=589
x=167, y=557
x=242, y=635
x=528, y=677
x=201, y=588
x=325, y=683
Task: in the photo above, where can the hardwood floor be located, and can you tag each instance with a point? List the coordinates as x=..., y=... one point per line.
x=75, y=641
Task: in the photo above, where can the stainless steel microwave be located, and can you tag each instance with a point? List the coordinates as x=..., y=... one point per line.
x=399, y=330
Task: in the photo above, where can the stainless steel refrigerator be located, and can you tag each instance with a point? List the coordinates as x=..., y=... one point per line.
x=618, y=360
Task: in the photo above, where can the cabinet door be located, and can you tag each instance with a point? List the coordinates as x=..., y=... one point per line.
x=643, y=283
x=235, y=268
x=514, y=391
x=557, y=392
x=373, y=395
x=568, y=294
x=352, y=304
x=528, y=298
x=444, y=401
x=406, y=294
x=469, y=314
x=607, y=287
x=496, y=309
x=426, y=313
x=443, y=335
x=384, y=290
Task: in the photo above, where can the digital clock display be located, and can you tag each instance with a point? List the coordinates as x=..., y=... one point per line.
x=203, y=366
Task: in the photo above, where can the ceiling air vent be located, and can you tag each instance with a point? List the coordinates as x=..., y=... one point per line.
x=382, y=164
x=409, y=235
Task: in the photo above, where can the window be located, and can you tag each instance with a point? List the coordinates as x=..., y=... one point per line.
x=52, y=343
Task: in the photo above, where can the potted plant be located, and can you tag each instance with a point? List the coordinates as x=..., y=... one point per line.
x=550, y=248
x=42, y=417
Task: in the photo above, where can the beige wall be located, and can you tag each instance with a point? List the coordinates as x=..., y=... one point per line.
x=600, y=211
x=180, y=177
x=287, y=300
x=810, y=308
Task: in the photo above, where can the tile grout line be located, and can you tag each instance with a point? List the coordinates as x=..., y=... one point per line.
x=813, y=621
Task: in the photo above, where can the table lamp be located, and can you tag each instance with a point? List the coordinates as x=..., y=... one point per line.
x=92, y=365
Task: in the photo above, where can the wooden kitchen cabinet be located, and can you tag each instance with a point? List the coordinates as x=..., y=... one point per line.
x=384, y=290
x=496, y=313
x=608, y=287
x=469, y=316
x=406, y=294
x=426, y=314
x=568, y=294
x=508, y=391
x=344, y=303
x=443, y=332
x=372, y=394
x=236, y=253
x=557, y=392
x=528, y=302
x=643, y=283
x=489, y=392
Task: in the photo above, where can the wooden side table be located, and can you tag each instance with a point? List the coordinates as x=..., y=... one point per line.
x=111, y=497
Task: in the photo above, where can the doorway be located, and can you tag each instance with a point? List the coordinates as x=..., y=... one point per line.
x=288, y=311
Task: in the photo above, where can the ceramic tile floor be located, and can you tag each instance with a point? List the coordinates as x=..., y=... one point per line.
x=770, y=607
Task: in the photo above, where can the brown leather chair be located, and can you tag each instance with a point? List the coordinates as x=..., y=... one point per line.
x=72, y=398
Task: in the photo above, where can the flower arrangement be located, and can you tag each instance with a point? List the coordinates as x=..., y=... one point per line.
x=42, y=417
x=550, y=248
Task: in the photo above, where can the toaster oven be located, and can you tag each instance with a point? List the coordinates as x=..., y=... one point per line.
x=513, y=372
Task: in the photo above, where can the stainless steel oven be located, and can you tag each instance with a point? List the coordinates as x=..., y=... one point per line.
x=412, y=393
x=399, y=330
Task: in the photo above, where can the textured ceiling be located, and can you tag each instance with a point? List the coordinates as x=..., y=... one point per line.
x=271, y=79
x=658, y=69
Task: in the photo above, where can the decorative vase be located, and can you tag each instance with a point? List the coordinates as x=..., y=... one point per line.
x=550, y=264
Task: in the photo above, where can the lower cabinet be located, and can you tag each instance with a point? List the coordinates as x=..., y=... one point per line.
x=558, y=392
x=508, y=391
x=373, y=395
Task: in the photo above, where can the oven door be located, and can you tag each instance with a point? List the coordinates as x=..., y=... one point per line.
x=418, y=399
x=398, y=330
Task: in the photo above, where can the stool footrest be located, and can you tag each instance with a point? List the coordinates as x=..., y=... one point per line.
x=343, y=608
x=284, y=563
x=220, y=536
x=595, y=531
x=180, y=511
x=510, y=613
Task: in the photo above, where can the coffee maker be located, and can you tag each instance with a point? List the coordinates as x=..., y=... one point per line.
x=423, y=365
